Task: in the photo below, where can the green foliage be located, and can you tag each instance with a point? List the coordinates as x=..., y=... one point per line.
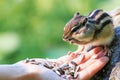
x=37, y=26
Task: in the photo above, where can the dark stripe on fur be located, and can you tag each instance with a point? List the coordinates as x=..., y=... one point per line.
x=104, y=15
x=102, y=26
x=106, y=22
x=95, y=13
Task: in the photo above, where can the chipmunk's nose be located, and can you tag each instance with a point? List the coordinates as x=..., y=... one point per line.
x=66, y=38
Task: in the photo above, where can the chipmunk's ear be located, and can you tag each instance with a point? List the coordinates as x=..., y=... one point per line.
x=77, y=14
x=84, y=20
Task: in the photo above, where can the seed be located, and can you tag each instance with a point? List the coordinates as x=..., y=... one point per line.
x=62, y=72
x=48, y=66
x=57, y=72
x=75, y=75
x=74, y=63
x=27, y=60
x=32, y=60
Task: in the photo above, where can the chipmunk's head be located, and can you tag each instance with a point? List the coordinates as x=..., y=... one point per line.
x=78, y=30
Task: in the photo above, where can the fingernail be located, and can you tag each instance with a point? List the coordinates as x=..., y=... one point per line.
x=73, y=55
x=69, y=53
x=77, y=55
x=105, y=59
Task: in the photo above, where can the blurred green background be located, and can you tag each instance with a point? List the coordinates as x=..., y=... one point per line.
x=34, y=28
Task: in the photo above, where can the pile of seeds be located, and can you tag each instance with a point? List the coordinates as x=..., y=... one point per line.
x=66, y=71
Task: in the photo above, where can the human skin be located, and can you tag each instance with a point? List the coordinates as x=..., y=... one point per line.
x=26, y=71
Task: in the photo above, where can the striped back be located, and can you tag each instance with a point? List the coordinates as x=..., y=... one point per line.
x=100, y=18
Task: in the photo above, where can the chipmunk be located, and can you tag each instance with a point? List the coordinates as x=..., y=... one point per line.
x=90, y=31
x=87, y=32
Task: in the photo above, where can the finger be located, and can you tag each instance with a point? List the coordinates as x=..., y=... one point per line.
x=94, y=51
x=67, y=58
x=83, y=58
x=92, y=69
x=91, y=60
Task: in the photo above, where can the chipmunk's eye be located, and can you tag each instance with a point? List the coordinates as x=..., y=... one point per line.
x=75, y=28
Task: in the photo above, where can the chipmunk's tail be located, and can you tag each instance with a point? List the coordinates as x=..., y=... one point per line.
x=115, y=14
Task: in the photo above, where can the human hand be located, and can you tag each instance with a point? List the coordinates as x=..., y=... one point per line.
x=92, y=62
